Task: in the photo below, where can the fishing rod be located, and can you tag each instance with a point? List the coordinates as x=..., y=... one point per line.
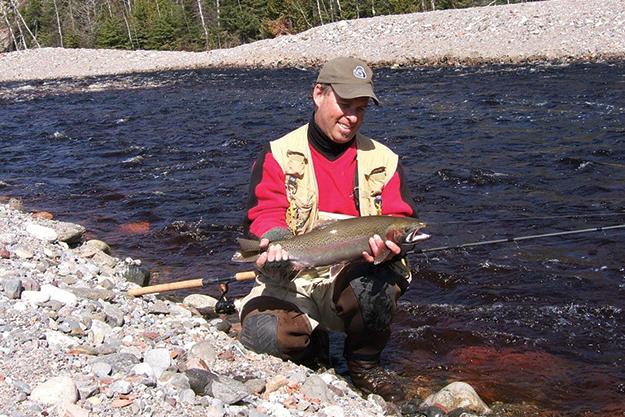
x=514, y=239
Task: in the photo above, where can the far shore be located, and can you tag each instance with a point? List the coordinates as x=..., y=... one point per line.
x=555, y=31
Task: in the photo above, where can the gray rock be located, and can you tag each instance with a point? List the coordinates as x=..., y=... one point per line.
x=121, y=387
x=158, y=359
x=41, y=232
x=145, y=370
x=316, y=388
x=159, y=307
x=255, y=386
x=221, y=325
x=187, y=396
x=69, y=232
x=100, y=245
x=178, y=381
x=93, y=293
x=34, y=297
x=121, y=362
x=21, y=386
x=24, y=253
x=114, y=316
x=228, y=390
x=99, y=332
x=55, y=391
x=136, y=274
x=12, y=288
x=60, y=341
x=101, y=258
x=457, y=395
x=202, y=354
x=201, y=302
x=200, y=380
x=101, y=369
x=59, y=294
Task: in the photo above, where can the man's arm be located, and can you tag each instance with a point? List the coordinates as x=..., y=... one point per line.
x=267, y=200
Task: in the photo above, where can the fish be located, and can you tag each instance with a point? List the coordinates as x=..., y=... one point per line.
x=340, y=241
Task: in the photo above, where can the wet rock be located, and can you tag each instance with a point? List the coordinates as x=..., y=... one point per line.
x=99, y=245
x=41, y=232
x=55, y=391
x=135, y=273
x=69, y=233
x=457, y=395
x=12, y=288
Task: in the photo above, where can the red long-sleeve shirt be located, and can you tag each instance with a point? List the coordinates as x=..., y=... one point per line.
x=268, y=202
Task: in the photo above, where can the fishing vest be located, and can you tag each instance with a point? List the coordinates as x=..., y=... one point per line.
x=376, y=165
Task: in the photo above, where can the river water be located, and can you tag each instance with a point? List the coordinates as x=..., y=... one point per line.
x=157, y=165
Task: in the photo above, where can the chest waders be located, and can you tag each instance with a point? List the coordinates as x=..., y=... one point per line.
x=361, y=300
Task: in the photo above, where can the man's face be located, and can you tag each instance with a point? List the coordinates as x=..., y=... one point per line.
x=339, y=118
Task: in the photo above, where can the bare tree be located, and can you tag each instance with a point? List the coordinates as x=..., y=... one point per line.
x=58, y=22
x=199, y=6
x=319, y=11
x=9, y=27
x=21, y=19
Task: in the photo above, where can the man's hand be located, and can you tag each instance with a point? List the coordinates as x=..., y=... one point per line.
x=274, y=262
x=380, y=248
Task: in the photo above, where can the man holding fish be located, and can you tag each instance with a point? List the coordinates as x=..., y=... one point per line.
x=324, y=266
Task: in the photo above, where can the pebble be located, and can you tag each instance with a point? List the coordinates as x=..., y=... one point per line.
x=55, y=390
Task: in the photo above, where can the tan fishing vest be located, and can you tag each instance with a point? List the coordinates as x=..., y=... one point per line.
x=376, y=166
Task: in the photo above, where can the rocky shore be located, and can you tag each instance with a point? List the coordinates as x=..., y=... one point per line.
x=74, y=343
x=542, y=31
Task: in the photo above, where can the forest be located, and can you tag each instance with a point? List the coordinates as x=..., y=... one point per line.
x=189, y=25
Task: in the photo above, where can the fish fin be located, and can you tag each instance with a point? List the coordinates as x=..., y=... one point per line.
x=244, y=257
x=250, y=249
x=336, y=269
x=381, y=256
x=249, y=245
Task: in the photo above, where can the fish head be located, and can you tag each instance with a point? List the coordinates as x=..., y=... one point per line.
x=406, y=231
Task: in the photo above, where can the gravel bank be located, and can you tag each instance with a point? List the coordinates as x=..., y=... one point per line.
x=73, y=343
x=546, y=31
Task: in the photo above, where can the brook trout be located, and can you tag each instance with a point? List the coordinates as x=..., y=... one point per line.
x=339, y=241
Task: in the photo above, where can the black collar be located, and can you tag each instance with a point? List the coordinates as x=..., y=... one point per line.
x=323, y=144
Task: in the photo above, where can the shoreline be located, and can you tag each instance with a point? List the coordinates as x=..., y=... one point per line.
x=554, y=31
x=75, y=343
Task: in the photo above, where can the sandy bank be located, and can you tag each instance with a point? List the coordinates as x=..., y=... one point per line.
x=556, y=30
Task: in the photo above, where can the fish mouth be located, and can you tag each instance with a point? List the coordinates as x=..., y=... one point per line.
x=416, y=236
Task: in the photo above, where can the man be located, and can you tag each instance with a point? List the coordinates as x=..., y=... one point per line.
x=322, y=171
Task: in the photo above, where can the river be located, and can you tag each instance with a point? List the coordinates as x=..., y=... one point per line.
x=157, y=165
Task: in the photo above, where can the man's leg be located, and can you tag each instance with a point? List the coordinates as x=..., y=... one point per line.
x=276, y=327
x=366, y=299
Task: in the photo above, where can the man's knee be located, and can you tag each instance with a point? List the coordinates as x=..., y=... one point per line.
x=370, y=299
x=279, y=330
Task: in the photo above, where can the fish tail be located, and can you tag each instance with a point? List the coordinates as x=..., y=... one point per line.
x=250, y=249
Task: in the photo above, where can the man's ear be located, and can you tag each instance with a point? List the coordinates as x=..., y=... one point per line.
x=317, y=94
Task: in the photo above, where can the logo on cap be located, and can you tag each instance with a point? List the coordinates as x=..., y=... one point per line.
x=359, y=72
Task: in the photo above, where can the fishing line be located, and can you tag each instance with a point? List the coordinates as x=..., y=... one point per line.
x=566, y=216
x=514, y=239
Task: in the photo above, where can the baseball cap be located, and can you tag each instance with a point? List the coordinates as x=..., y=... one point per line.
x=349, y=77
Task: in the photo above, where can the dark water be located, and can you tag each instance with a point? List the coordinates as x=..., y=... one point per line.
x=159, y=169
